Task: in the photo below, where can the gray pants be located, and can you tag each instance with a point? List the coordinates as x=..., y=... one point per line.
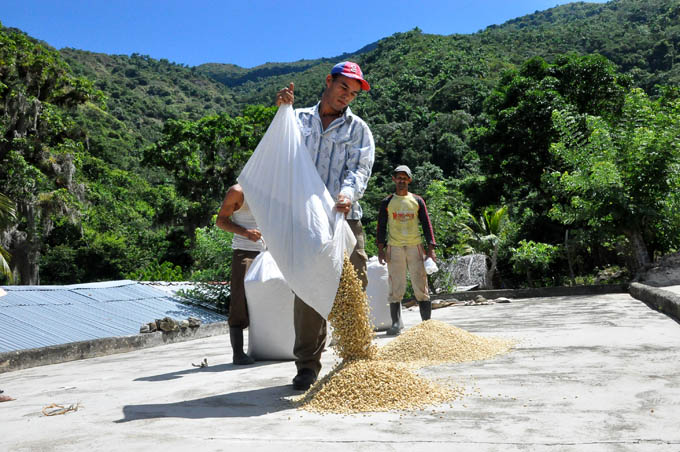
x=238, y=307
x=310, y=326
x=399, y=259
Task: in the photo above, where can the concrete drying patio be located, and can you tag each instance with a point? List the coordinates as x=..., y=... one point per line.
x=589, y=373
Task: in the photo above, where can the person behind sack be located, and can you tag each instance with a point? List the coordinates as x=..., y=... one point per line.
x=342, y=149
x=235, y=216
x=398, y=219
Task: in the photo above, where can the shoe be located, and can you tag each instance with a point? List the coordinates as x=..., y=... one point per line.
x=395, y=313
x=304, y=379
x=240, y=358
x=425, y=310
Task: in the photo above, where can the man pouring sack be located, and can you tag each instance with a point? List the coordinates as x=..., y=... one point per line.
x=342, y=149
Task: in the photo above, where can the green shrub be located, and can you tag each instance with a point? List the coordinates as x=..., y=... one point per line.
x=211, y=295
x=532, y=257
x=212, y=254
x=167, y=271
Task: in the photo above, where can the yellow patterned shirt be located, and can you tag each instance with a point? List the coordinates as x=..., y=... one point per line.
x=399, y=218
x=402, y=221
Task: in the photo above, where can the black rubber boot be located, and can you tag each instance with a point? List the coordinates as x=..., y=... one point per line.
x=425, y=310
x=240, y=358
x=304, y=379
x=395, y=313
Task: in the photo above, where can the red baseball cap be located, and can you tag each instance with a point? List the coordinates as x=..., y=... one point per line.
x=351, y=70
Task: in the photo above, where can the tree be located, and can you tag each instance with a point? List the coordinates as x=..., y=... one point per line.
x=532, y=256
x=212, y=254
x=515, y=146
x=485, y=235
x=618, y=175
x=204, y=157
x=7, y=217
x=447, y=207
x=38, y=158
x=126, y=226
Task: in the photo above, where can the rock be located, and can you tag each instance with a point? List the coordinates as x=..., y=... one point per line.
x=610, y=275
x=194, y=322
x=168, y=324
x=184, y=324
x=202, y=364
x=152, y=327
x=459, y=271
x=502, y=300
x=144, y=329
x=665, y=271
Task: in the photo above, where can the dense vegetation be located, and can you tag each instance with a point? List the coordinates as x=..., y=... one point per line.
x=549, y=142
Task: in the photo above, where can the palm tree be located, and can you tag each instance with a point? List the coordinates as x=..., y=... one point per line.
x=484, y=235
x=7, y=218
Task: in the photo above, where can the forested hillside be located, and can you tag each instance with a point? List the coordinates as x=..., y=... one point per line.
x=141, y=95
x=550, y=143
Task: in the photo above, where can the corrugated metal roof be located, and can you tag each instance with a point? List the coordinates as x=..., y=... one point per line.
x=40, y=316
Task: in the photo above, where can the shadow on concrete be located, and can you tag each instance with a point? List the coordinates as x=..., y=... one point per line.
x=218, y=368
x=257, y=402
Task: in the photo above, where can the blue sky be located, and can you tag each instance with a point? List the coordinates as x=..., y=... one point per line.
x=248, y=33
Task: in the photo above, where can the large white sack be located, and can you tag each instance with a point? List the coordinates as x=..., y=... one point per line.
x=378, y=291
x=271, y=334
x=295, y=213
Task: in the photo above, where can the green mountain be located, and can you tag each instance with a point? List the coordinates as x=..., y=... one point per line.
x=433, y=72
x=258, y=84
x=141, y=94
x=640, y=37
x=144, y=92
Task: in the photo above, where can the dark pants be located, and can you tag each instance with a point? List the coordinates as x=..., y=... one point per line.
x=238, y=308
x=310, y=326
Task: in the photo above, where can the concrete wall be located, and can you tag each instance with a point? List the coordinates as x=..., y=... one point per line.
x=664, y=300
x=539, y=292
x=22, y=359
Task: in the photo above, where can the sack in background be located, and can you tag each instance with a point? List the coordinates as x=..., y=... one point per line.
x=378, y=291
x=271, y=334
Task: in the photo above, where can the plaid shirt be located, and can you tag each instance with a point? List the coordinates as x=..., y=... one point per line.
x=343, y=153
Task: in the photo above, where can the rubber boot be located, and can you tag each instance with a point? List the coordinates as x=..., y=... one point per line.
x=304, y=379
x=395, y=313
x=240, y=358
x=425, y=310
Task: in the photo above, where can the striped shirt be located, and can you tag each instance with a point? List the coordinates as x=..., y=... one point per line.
x=343, y=153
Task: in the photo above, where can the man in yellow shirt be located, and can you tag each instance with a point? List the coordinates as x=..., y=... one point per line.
x=400, y=218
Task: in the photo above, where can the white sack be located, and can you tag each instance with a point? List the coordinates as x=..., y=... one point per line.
x=378, y=291
x=305, y=235
x=271, y=334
